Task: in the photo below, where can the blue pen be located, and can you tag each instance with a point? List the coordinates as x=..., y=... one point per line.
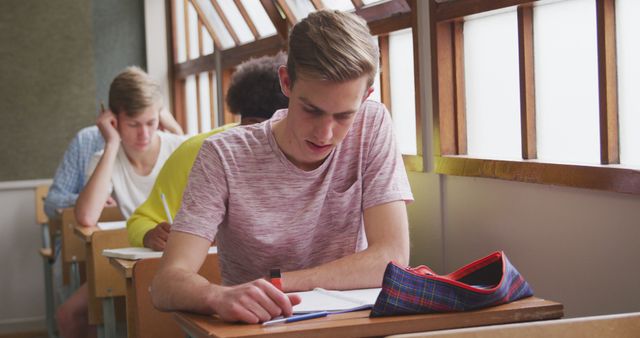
x=296, y=318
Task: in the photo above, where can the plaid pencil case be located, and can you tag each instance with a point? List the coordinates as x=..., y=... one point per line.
x=491, y=280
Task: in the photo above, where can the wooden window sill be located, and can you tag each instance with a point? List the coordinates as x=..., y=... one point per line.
x=604, y=177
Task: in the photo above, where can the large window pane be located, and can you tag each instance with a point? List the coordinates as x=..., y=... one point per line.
x=403, y=93
x=259, y=17
x=492, y=86
x=567, y=82
x=180, y=31
x=194, y=51
x=236, y=20
x=205, y=103
x=191, y=105
x=207, y=42
x=341, y=5
x=628, y=27
x=300, y=8
x=214, y=19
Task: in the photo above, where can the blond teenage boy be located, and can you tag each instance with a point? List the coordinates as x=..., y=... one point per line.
x=318, y=191
x=133, y=154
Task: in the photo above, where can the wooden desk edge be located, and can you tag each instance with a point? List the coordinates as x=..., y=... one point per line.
x=124, y=266
x=359, y=324
x=85, y=233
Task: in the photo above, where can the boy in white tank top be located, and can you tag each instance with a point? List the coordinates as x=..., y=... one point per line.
x=133, y=154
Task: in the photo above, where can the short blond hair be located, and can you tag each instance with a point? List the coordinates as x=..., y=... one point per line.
x=332, y=45
x=133, y=91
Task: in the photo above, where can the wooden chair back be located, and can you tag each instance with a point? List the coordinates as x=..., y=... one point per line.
x=41, y=194
x=72, y=246
x=150, y=322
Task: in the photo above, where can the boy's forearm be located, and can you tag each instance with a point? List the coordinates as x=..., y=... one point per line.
x=358, y=271
x=96, y=192
x=179, y=290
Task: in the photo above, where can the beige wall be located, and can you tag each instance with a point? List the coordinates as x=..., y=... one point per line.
x=48, y=84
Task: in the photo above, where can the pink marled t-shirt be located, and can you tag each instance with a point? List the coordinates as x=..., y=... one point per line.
x=267, y=213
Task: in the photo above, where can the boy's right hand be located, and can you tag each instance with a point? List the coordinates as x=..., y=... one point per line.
x=156, y=238
x=108, y=125
x=254, y=302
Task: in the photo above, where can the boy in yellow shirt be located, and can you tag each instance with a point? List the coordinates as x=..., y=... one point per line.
x=255, y=94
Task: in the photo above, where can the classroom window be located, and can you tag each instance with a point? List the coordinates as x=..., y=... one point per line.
x=193, y=33
x=179, y=31
x=628, y=52
x=491, y=83
x=403, y=92
x=259, y=18
x=538, y=91
x=300, y=9
x=192, y=105
x=239, y=26
x=566, y=70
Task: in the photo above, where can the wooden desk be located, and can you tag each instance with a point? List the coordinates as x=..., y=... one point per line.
x=626, y=325
x=104, y=282
x=143, y=320
x=358, y=324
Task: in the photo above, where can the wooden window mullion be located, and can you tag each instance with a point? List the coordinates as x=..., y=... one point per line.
x=385, y=71
x=197, y=76
x=287, y=12
x=450, y=10
x=607, y=82
x=278, y=22
x=226, y=81
x=444, y=87
x=416, y=79
x=216, y=40
x=317, y=4
x=357, y=4
x=527, y=83
x=459, y=91
x=219, y=88
x=212, y=99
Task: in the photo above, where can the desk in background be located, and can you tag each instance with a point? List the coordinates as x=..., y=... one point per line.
x=143, y=320
x=103, y=280
x=358, y=324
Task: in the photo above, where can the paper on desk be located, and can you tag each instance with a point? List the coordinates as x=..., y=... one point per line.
x=331, y=300
x=135, y=253
x=112, y=225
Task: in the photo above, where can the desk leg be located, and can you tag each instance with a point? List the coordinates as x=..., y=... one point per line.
x=109, y=317
x=48, y=293
x=46, y=243
x=131, y=306
x=74, y=271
